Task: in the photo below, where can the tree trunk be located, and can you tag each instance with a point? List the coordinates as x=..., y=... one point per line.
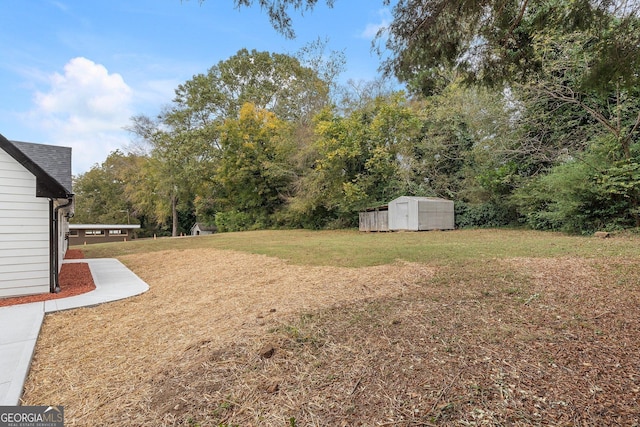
x=174, y=216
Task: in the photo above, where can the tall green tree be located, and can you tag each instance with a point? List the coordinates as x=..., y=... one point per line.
x=595, y=191
x=358, y=163
x=493, y=41
x=101, y=192
x=490, y=40
x=206, y=104
x=327, y=67
x=176, y=165
x=253, y=175
x=576, y=61
x=270, y=81
x=579, y=115
x=468, y=151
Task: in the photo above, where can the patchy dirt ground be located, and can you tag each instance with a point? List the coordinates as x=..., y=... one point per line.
x=225, y=338
x=75, y=279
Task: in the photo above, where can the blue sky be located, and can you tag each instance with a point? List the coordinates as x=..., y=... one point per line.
x=73, y=72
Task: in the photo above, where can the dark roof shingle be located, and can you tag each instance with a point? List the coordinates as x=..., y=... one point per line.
x=54, y=160
x=50, y=164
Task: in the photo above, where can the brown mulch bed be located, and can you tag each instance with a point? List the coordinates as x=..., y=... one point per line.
x=74, y=254
x=225, y=338
x=75, y=279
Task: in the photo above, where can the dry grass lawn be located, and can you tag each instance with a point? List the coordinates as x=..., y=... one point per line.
x=103, y=363
x=227, y=338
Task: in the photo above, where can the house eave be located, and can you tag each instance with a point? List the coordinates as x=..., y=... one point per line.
x=46, y=185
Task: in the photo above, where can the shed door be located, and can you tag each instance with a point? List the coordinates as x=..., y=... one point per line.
x=402, y=215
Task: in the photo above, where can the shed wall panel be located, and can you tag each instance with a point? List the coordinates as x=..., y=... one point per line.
x=363, y=221
x=421, y=213
x=377, y=220
x=435, y=215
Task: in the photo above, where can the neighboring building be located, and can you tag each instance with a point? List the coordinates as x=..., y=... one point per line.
x=36, y=202
x=421, y=213
x=84, y=234
x=200, y=229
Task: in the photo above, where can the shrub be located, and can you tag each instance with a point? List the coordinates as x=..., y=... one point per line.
x=487, y=214
x=237, y=221
x=582, y=195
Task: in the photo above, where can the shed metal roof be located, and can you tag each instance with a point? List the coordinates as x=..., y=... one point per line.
x=422, y=198
x=204, y=227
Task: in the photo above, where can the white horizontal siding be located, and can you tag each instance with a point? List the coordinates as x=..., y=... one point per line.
x=39, y=205
x=11, y=238
x=24, y=229
x=12, y=169
x=22, y=250
x=12, y=212
x=13, y=189
x=22, y=262
x=24, y=287
x=24, y=245
x=36, y=276
x=14, y=182
x=28, y=198
x=24, y=232
x=25, y=222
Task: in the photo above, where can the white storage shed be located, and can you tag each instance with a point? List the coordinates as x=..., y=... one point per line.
x=200, y=229
x=420, y=214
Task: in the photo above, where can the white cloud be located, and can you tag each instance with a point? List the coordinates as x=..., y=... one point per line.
x=85, y=108
x=156, y=93
x=371, y=30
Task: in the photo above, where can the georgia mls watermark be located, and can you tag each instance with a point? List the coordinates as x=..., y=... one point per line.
x=31, y=416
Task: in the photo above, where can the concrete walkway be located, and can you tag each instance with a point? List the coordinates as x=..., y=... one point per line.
x=20, y=324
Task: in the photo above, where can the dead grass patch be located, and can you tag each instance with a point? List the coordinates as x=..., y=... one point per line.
x=101, y=362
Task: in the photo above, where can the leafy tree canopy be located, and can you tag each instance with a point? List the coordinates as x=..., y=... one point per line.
x=495, y=40
x=253, y=175
x=276, y=82
x=103, y=192
x=503, y=40
x=278, y=11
